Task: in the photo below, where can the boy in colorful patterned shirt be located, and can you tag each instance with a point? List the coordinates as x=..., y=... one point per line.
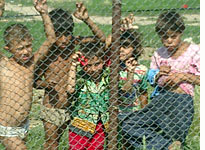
x=51, y=73
x=91, y=96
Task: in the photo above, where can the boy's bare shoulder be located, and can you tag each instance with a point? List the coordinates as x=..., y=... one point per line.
x=3, y=65
x=7, y=64
x=3, y=60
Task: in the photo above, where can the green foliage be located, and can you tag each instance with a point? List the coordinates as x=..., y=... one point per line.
x=193, y=138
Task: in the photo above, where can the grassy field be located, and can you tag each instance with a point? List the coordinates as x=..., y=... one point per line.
x=149, y=37
x=35, y=137
x=103, y=7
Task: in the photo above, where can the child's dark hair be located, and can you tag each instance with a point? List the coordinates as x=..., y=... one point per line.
x=170, y=20
x=93, y=48
x=132, y=38
x=16, y=32
x=62, y=21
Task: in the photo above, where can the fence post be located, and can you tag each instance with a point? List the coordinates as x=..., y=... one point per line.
x=113, y=122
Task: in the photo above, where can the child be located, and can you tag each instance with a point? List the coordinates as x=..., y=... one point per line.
x=91, y=96
x=55, y=68
x=169, y=115
x=133, y=75
x=16, y=79
x=133, y=81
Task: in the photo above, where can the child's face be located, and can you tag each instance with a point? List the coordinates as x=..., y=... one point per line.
x=171, y=40
x=63, y=40
x=22, y=51
x=126, y=52
x=94, y=67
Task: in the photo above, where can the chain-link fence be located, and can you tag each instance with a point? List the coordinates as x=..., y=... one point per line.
x=100, y=75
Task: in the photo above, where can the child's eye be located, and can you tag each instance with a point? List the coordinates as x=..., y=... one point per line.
x=28, y=46
x=97, y=64
x=126, y=45
x=19, y=49
x=57, y=34
x=165, y=37
x=174, y=36
x=66, y=34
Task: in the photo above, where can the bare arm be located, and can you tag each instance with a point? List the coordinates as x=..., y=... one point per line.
x=131, y=64
x=143, y=98
x=40, y=84
x=175, y=78
x=72, y=79
x=96, y=31
x=42, y=8
x=160, y=78
x=72, y=73
x=127, y=87
x=82, y=14
x=80, y=39
x=192, y=79
x=126, y=24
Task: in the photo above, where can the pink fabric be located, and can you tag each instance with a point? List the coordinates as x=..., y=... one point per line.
x=77, y=142
x=188, y=62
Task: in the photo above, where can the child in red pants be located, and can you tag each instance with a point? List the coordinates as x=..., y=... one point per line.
x=78, y=142
x=90, y=93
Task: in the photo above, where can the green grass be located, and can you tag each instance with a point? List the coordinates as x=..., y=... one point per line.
x=193, y=138
x=103, y=7
x=149, y=37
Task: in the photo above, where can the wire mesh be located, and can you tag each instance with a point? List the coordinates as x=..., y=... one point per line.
x=120, y=75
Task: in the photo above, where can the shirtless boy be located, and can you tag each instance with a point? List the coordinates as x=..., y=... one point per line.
x=16, y=79
x=54, y=68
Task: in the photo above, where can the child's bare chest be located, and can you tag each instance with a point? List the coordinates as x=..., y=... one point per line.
x=14, y=76
x=60, y=67
x=58, y=70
